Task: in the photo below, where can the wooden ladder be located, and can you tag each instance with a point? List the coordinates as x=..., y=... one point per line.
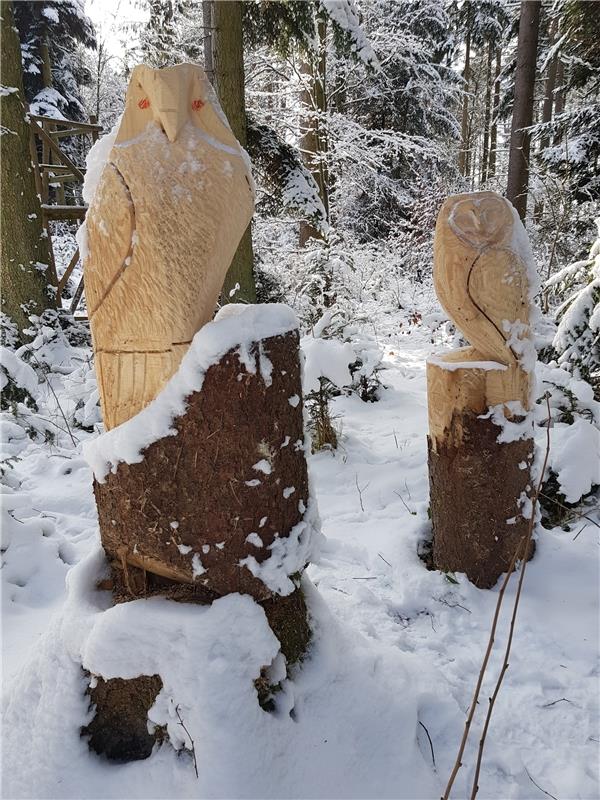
x=52, y=171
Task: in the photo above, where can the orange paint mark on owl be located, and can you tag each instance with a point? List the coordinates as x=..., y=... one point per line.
x=144, y=103
x=197, y=104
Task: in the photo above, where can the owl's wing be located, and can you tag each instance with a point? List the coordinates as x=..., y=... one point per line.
x=498, y=286
x=110, y=225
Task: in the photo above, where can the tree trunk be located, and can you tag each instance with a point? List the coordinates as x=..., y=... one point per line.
x=547, y=107
x=313, y=141
x=247, y=467
x=471, y=533
x=100, y=54
x=228, y=65
x=549, y=85
x=487, y=115
x=559, y=103
x=494, y=129
x=464, y=128
x=520, y=138
x=25, y=252
x=46, y=64
x=207, y=21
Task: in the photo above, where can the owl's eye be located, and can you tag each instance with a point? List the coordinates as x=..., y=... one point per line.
x=197, y=104
x=144, y=103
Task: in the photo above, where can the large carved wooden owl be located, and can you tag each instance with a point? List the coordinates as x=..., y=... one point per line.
x=172, y=204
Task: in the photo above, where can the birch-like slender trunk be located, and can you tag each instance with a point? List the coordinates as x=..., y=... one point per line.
x=464, y=128
x=313, y=141
x=494, y=128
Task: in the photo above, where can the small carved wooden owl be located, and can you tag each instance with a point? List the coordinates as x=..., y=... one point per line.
x=172, y=204
x=479, y=274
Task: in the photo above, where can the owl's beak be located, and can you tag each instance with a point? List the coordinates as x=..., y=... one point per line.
x=170, y=102
x=172, y=121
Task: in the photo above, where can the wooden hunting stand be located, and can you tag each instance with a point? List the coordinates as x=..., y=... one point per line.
x=53, y=170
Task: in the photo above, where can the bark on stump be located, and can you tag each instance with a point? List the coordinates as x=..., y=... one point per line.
x=477, y=528
x=479, y=485
x=179, y=522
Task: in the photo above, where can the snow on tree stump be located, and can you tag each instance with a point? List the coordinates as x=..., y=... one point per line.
x=480, y=437
x=205, y=492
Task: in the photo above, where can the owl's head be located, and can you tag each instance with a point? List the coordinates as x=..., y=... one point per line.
x=170, y=98
x=480, y=219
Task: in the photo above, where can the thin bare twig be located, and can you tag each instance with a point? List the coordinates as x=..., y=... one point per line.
x=412, y=513
x=539, y=787
x=430, y=742
x=578, y=532
x=444, y=602
x=181, y=722
x=360, y=491
x=561, y=700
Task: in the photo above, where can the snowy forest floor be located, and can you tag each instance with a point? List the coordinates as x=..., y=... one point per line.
x=380, y=702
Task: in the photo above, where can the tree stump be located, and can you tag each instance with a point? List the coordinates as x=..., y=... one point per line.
x=480, y=444
x=230, y=484
x=221, y=506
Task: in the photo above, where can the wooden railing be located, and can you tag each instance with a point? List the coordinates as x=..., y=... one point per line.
x=53, y=170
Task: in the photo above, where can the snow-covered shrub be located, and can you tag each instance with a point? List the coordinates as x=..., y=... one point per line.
x=326, y=371
x=287, y=184
x=574, y=461
x=48, y=385
x=9, y=331
x=569, y=370
x=577, y=339
x=18, y=382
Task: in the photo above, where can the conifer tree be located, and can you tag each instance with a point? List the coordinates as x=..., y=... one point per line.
x=50, y=31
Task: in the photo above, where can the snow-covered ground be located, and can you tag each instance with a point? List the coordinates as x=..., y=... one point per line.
x=378, y=707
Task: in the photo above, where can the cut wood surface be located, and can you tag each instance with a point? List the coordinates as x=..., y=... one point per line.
x=478, y=484
x=456, y=383
x=172, y=203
